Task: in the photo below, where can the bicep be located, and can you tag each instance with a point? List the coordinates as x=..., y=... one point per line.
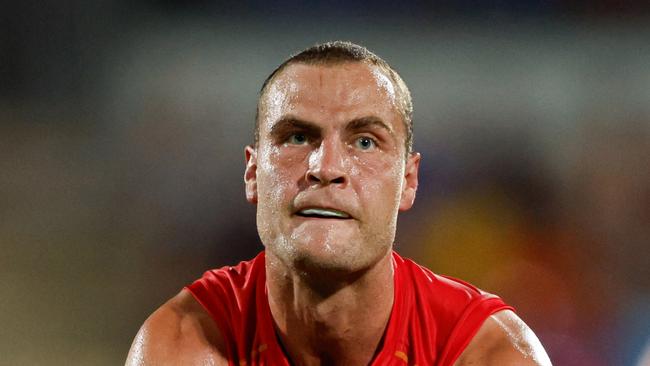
x=504, y=339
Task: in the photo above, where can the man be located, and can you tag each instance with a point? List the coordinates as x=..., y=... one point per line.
x=330, y=169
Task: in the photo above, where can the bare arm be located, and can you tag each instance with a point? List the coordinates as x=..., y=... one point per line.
x=505, y=340
x=179, y=332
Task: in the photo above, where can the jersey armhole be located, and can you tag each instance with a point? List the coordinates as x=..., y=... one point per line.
x=208, y=301
x=468, y=325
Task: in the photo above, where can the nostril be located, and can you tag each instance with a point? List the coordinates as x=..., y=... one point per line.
x=312, y=178
x=319, y=179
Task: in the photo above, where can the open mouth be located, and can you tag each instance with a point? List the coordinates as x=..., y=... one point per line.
x=323, y=213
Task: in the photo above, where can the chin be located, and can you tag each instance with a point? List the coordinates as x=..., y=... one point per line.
x=342, y=257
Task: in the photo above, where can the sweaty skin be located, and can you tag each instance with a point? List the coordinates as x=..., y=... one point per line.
x=330, y=138
x=328, y=175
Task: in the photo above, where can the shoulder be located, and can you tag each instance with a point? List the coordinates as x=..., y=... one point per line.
x=504, y=339
x=458, y=300
x=422, y=276
x=179, y=332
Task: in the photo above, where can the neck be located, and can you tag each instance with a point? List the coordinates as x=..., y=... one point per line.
x=340, y=323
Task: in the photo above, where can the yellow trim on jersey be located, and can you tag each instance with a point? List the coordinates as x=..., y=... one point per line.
x=402, y=356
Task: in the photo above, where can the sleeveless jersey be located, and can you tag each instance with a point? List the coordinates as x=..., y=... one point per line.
x=432, y=320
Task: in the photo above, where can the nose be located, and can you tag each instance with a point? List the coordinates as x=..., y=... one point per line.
x=327, y=165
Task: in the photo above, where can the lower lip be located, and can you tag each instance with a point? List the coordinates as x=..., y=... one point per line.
x=322, y=218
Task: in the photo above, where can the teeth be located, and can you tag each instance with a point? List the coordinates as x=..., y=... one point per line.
x=324, y=212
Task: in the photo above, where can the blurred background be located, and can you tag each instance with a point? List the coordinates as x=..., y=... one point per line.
x=122, y=126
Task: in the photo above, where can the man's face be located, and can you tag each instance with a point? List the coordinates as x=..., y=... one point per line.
x=329, y=174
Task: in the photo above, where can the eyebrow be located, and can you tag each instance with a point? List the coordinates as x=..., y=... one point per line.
x=290, y=123
x=287, y=123
x=369, y=122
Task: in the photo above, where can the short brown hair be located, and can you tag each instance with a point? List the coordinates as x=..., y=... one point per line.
x=332, y=53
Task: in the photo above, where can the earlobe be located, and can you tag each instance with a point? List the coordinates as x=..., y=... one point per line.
x=410, y=184
x=250, y=174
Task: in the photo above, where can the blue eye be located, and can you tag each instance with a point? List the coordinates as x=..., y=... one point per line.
x=365, y=143
x=297, y=139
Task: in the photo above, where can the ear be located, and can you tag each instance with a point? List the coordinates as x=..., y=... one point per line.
x=410, y=184
x=250, y=174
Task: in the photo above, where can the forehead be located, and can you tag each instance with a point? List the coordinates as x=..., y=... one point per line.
x=341, y=91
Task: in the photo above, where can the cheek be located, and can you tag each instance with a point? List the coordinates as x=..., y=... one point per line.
x=379, y=181
x=278, y=174
x=268, y=173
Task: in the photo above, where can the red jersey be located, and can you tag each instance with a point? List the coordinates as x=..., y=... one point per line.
x=433, y=317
